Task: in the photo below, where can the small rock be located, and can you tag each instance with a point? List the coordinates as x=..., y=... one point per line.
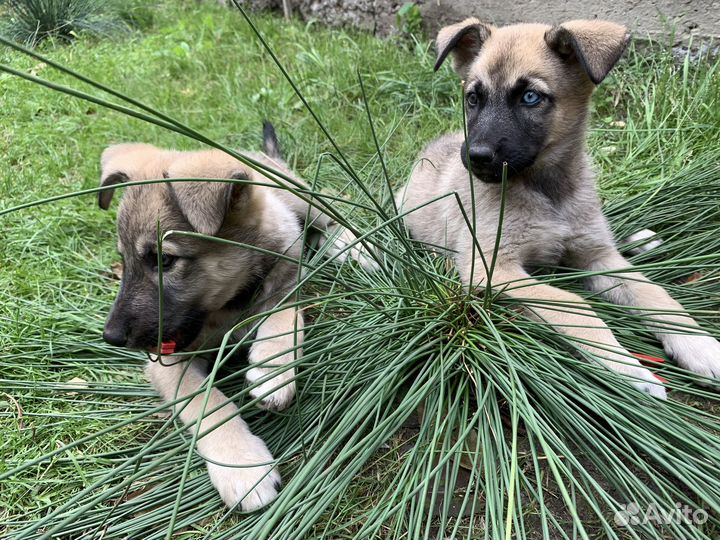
x=76, y=383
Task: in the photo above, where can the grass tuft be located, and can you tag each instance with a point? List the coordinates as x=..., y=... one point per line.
x=33, y=21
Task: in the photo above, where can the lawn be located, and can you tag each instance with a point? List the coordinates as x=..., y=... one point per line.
x=92, y=452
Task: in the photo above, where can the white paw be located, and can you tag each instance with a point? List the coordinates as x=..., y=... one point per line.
x=339, y=249
x=651, y=241
x=643, y=379
x=246, y=486
x=637, y=375
x=699, y=354
x=278, y=391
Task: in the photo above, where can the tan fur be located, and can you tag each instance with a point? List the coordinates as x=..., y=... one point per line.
x=553, y=214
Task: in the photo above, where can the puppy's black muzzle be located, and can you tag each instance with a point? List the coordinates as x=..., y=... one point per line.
x=483, y=160
x=481, y=155
x=115, y=334
x=133, y=321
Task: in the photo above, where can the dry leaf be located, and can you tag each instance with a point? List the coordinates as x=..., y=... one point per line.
x=116, y=270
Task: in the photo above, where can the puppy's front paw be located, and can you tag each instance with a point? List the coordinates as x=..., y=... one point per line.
x=642, y=241
x=643, y=379
x=637, y=375
x=357, y=252
x=699, y=354
x=252, y=481
x=281, y=387
x=279, y=390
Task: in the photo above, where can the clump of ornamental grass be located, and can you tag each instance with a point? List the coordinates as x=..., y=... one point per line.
x=33, y=21
x=422, y=411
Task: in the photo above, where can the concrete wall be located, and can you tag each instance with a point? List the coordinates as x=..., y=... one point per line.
x=646, y=18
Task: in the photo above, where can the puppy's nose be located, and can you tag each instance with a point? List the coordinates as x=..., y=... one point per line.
x=115, y=335
x=482, y=154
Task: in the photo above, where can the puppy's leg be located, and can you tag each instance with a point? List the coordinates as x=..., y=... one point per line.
x=340, y=240
x=680, y=335
x=569, y=314
x=240, y=465
x=337, y=238
x=278, y=342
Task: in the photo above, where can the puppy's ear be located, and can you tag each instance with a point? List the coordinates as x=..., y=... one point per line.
x=120, y=163
x=464, y=40
x=596, y=45
x=205, y=204
x=110, y=179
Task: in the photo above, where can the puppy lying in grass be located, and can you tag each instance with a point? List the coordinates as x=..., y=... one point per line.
x=208, y=287
x=527, y=99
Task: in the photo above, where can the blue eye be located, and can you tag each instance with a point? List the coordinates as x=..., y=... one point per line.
x=531, y=98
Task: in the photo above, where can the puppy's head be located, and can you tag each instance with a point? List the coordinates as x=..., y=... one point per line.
x=199, y=276
x=527, y=88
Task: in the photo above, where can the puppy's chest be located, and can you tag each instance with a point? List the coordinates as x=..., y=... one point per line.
x=535, y=232
x=218, y=323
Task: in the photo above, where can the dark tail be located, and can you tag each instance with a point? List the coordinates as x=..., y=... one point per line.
x=271, y=146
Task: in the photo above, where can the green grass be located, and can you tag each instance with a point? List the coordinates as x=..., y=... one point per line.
x=351, y=469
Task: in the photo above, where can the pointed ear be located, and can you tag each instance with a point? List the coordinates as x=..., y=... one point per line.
x=205, y=204
x=464, y=40
x=597, y=45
